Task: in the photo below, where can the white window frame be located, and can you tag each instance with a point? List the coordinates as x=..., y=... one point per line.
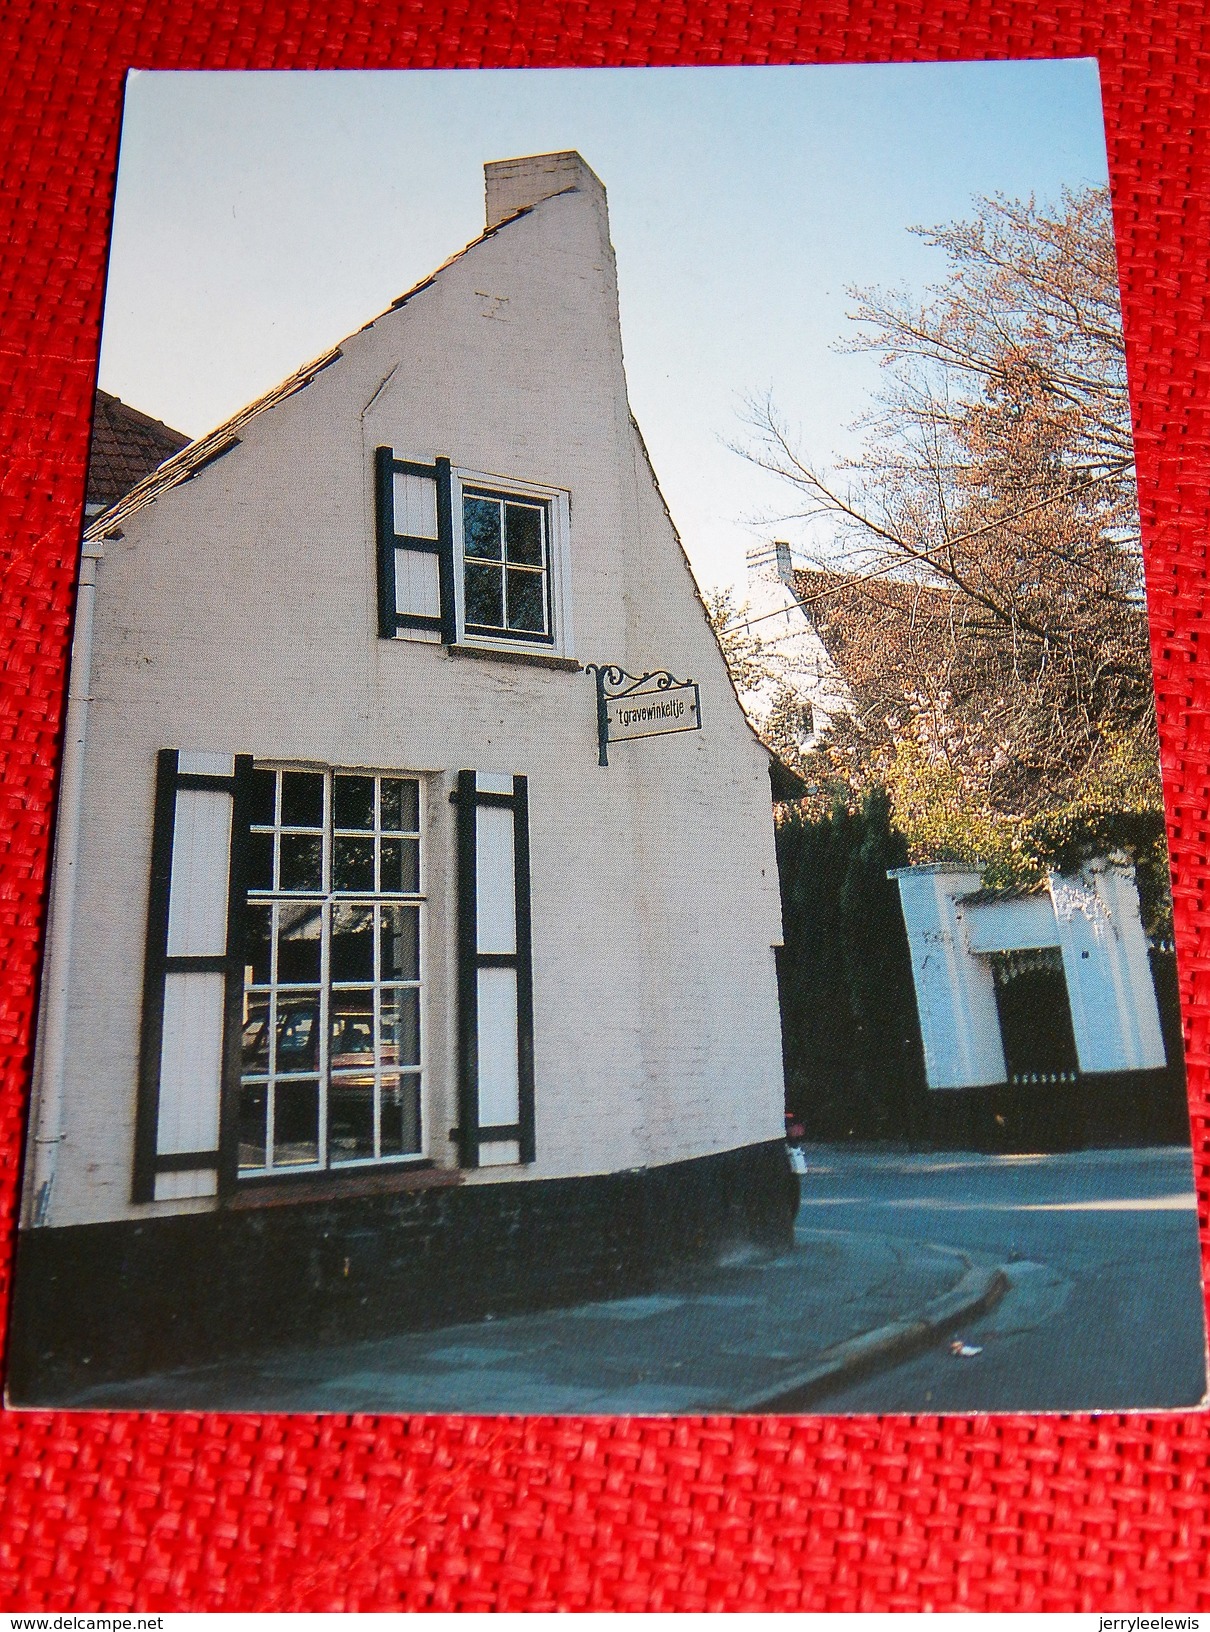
x=557, y=502
x=328, y=899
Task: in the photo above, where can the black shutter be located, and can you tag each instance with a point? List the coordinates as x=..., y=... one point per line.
x=150, y=1160
x=233, y=1008
x=478, y=1125
x=427, y=604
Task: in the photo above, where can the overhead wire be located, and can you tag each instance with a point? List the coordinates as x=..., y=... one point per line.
x=803, y=601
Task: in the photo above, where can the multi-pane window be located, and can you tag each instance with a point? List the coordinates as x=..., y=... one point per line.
x=471, y=559
x=332, y=972
x=506, y=565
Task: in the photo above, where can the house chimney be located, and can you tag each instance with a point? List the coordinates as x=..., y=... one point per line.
x=772, y=561
x=519, y=184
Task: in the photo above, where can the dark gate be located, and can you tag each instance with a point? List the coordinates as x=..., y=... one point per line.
x=1035, y=1016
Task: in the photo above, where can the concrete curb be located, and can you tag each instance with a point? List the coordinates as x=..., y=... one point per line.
x=977, y=1293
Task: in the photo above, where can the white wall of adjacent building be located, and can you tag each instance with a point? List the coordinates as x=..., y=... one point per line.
x=802, y=669
x=1091, y=917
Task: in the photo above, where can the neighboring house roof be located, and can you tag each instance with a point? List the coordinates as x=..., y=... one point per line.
x=126, y=446
x=825, y=596
x=195, y=455
x=881, y=634
x=805, y=670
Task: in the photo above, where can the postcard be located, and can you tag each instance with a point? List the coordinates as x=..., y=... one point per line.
x=610, y=853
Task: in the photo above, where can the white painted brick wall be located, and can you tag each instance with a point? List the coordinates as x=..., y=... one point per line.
x=238, y=613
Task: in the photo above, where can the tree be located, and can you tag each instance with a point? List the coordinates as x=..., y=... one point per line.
x=983, y=578
x=850, y=1035
x=749, y=659
x=762, y=678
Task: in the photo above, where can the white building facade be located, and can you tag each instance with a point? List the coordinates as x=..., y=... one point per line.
x=359, y=958
x=805, y=678
x=1089, y=921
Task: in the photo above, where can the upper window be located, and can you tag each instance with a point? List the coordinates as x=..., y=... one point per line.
x=470, y=559
x=506, y=566
x=512, y=583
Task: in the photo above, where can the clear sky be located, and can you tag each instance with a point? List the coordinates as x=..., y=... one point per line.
x=262, y=217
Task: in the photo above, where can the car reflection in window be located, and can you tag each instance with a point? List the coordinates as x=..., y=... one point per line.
x=297, y=1036
x=352, y=1044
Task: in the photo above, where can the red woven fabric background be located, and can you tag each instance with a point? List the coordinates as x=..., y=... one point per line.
x=227, y=1513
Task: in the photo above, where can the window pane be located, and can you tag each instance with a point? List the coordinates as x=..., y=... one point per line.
x=351, y=1119
x=527, y=601
x=299, y=939
x=260, y=861
x=353, y=865
x=258, y=933
x=523, y=534
x=297, y=1033
x=481, y=528
x=352, y=1028
x=295, y=1123
x=301, y=862
x=399, y=1042
x=400, y=1115
x=264, y=790
x=302, y=799
x=400, y=806
x=352, y=943
x=400, y=866
x=253, y=1103
x=399, y=944
x=353, y=801
x=484, y=596
x=256, y=1037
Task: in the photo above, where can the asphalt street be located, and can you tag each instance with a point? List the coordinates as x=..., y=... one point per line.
x=1103, y=1310
x=1105, y=1306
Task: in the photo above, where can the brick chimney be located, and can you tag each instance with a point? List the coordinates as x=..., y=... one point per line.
x=519, y=184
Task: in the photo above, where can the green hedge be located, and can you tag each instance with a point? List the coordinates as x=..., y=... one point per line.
x=851, y=1037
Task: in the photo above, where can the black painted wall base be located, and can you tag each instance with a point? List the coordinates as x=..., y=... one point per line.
x=100, y=1302
x=1110, y=1109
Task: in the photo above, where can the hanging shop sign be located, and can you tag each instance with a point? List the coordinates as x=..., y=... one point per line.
x=645, y=705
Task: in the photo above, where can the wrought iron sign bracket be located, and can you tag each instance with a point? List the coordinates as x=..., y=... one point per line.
x=653, y=705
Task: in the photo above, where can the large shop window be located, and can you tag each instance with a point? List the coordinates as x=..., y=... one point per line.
x=331, y=1062
x=284, y=1025
x=470, y=559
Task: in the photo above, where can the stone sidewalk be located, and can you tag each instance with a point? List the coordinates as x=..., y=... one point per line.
x=771, y=1333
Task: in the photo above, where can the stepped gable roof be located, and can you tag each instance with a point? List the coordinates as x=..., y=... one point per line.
x=196, y=455
x=126, y=446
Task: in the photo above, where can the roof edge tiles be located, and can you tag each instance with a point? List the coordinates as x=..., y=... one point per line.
x=223, y=437
x=205, y=450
